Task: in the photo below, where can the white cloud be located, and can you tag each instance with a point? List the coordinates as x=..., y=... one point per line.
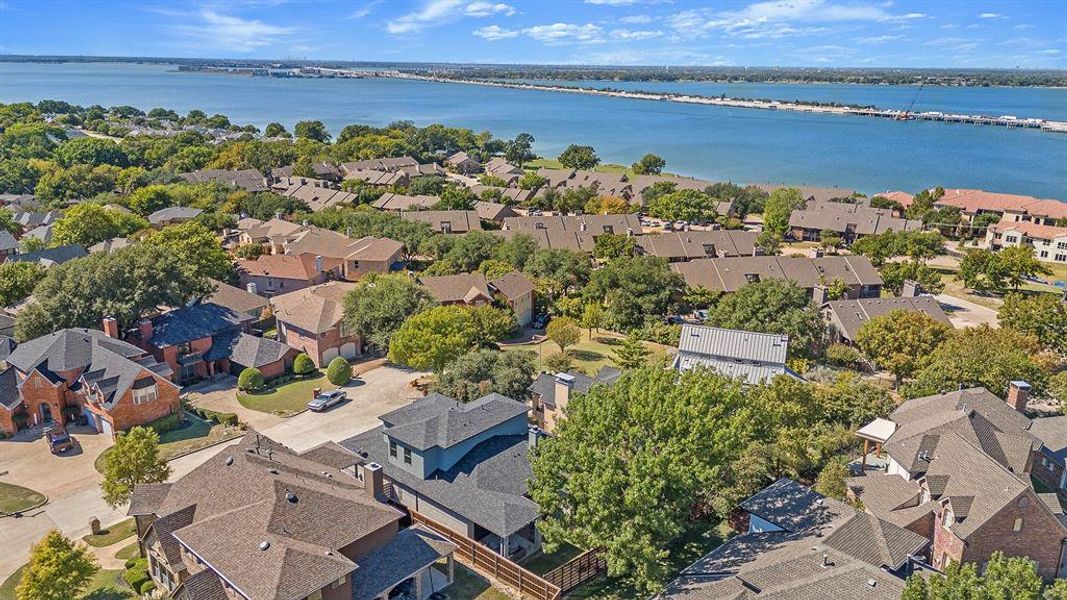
x=881, y=39
x=781, y=18
x=624, y=2
x=632, y=35
x=565, y=33
x=365, y=10
x=226, y=32
x=636, y=19
x=493, y=33
x=913, y=15
x=439, y=12
x=990, y=15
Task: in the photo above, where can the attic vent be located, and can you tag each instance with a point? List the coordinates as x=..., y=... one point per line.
x=264, y=545
x=229, y=460
x=272, y=471
x=291, y=497
x=871, y=583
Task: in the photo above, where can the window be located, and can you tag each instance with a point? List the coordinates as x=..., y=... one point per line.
x=392, y=448
x=1010, y=238
x=338, y=583
x=946, y=518
x=1061, y=257
x=1017, y=526
x=146, y=394
x=1061, y=245
x=609, y=229
x=1044, y=254
x=184, y=348
x=407, y=456
x=344, y=329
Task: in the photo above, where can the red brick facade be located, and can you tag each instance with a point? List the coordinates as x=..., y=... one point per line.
x=322, y=347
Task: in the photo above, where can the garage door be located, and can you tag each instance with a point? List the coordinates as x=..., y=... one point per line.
x=348, y=350
x=329, y=355
x=91, y=418
x=105, y=426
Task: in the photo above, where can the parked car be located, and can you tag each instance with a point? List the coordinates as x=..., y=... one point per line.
x=701, y=315
x=673, y=320
x=59, y=441
x=327, y=399
x=541, y=321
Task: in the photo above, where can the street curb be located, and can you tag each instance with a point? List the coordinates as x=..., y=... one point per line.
x=26, y=510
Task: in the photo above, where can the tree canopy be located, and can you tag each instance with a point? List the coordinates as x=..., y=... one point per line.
x=58, y=570
x=1042, y=316
x=89, y=223
x=634, y=288
x=649, y=164
x=777, y=208
x=579, y=157
x=772, y=306
x=134, y=459
x=474, y=375
x=902, y=341
x=379, y=304
x=692, y=206
x=431, y=339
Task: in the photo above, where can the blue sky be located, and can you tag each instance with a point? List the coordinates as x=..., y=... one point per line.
x=906, y=33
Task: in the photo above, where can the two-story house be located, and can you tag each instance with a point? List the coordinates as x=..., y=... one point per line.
x=513, y=290
x=357, y=256
x=259, y=521
x=275, y=274
x=312, y=320
x=73, y=373
x=958, y=472
x=204, y=340
x=465, y=466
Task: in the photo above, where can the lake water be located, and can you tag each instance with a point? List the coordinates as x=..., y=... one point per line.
x=718, y=143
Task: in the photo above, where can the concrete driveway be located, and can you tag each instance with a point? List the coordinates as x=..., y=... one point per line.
x=220, y=395
x=373, y=394
x=963, y=313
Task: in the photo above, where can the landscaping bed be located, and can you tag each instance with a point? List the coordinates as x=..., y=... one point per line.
x=15, y=498
x=285, y=399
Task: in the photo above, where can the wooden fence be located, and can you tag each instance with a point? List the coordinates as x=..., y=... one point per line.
x=488, y=563
x=578, y=571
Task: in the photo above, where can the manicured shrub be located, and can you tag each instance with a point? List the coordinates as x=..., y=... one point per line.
x=167, y=423
x=147, y=587
x=842, y=355
x=229, y=419
x=137, y=574
x=303, y=365
x=130, y=562
x=339, y=372
x=250, y=379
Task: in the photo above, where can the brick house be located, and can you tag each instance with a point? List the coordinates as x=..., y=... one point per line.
x=513, y=290
x=204, y=340
x=959, y=472
x=358, y=257
x=259, y=521
x=274, y=274
x=312, y=321
x=75, y=373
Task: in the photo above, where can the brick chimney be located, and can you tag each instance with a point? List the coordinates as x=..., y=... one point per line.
x=111, y=327
x=374, y=480
x=818, y=294
x=1018, y=394
x=910, y=289
x=564, y=385
x=144, y=328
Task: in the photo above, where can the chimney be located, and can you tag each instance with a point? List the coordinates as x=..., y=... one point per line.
x=818, y=294
x=111, y=327
x=374, y=480
x=318, y=264
x=144, y=328
x=564, y=385
x=533, y=435
x=1018, y=394
x=911, y=289
x=252, y=288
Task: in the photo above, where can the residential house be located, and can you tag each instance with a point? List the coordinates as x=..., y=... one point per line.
x=379, y=178
x=513, y=195
x=752, y=357
x=577, y=241
x=492, y=211
x=498, y=167
x=447, y=221
x=42, y=234
x=797, y=544
x=75, y=373
x=815, y=194
x=238, y=300
x=423, y=170
x=595, y=225
x=359, y=257
x=1049, y=242
x=323, y=171
x=849, y=221
x=259, y=521
x=50, y=256
x=204, y=340
x=19, y=201
x=28, y=219
x=317, y=194
x=173, y=215
x=463, y=465
x=847, y=317
x=8, y=244
x=688, y=245
x=902, y=198
x=959, y=472
x=1012, y=207
x=550, y=394
x=7, y=325
x=517, y=293
x=605, y=184
x=109, y=246
x=273, y=274
x=400, y=202
x=640, y=183
x=472, y=289
x=462, y=162
x=312, y=321
x=379, y=164
x=730, y=274
x=249, y=180
x=274, y=233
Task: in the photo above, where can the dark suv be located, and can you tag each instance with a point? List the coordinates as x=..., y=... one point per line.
x=59, y=441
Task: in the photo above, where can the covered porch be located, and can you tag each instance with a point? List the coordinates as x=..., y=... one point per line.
x=876, y=432
x=414, y=565
x=516, y=546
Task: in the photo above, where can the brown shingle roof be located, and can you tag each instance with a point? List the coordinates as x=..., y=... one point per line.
x=447, y=221
x=688, y=245
x=316, y=309
x=235, y=298
x=850, y=315
x=729, y=274
x=514, y=285
x=462, y=287
x=285, y=266
x=397, y=202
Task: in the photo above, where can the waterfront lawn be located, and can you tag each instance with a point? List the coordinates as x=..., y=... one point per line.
x=116, y=533
x=468, y=585
x=551, y=163
x=286, y=399
x=15, y=498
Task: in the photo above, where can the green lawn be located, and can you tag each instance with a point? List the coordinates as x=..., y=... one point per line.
x=197, y=434
x=543, y=563
x=15, y=498
x=470, y=586
x=128, y=552
x=286, y=399
x=551, y=163
x=589, y=354
x=955, y=287
x=105, y=585
x=113, y=534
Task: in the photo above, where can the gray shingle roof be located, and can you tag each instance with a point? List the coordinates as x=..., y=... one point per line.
x=9, y=391
x=437, y=420
x=67, y=349
x=850, y=315
x=51, y=256
x=236, y=299
x=252, y=351
x=7, y=241
x=544, y=385
x=408, y=552
x=193, y=323
x=171, y=213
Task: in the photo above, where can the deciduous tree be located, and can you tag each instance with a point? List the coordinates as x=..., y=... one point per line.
x=17, y=280
x=474, y=375
x=772, y=306
x=650, y=164
x=564, y=332
x=431, y=339
x=692, y=206
x=58, y=570
x=1042, y=316
x=902, y=341
x=134, y=459
x=197, y=248
x=579, y=157
x=90, y=223
x=379, y=304
x=777, y=209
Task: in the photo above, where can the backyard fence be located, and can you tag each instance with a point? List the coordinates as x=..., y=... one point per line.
x=578, y=571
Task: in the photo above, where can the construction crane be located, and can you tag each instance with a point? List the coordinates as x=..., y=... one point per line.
x=904, y=116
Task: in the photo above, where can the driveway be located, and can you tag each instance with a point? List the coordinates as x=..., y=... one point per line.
x=373, y=394
x=966, y=314
x=220, y=395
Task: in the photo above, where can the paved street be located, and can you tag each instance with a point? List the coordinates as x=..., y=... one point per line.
x=72, y=484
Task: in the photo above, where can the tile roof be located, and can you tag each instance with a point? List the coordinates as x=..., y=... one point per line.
x=687, y=245
x=730, y=274
x=269, y=521
x=1030, y=229
x=974, y=201
x=850, y=315
x=440, y=421
x=316, y=309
